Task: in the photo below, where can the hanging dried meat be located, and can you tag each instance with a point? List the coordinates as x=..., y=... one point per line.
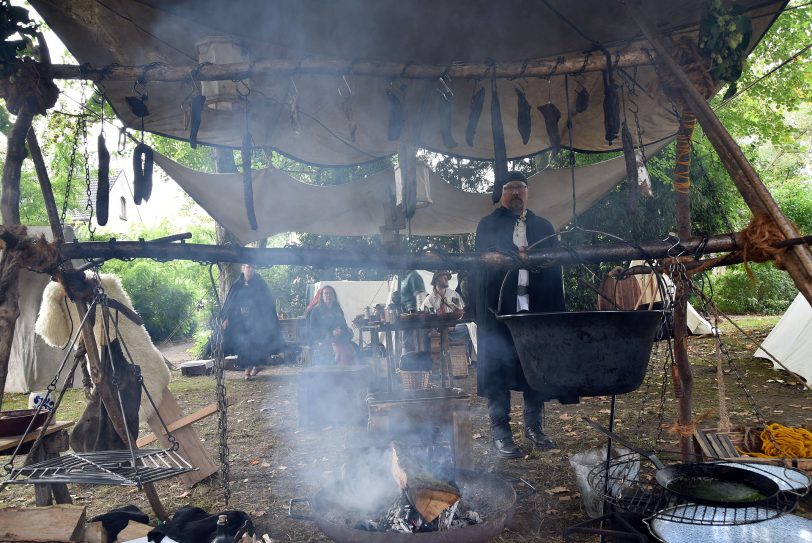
x=247, y=181
x=397, y=114
x=197, y=116
x=103, y=185
x=477, y=103
x=551, y=117
x=581, y=100
x=500, y=168
x=631, y=169
x=447, y=118
x=523, y=121
x=142, y=173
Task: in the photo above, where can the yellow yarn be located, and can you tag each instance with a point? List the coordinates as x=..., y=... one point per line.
x=782, y=441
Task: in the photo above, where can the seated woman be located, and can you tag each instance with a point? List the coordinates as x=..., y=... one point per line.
x=330, y=337
x=250, y=323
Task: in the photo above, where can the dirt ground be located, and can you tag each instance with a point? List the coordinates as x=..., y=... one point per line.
x=273, y=460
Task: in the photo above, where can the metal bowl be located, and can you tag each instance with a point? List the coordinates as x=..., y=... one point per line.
x=14, y=423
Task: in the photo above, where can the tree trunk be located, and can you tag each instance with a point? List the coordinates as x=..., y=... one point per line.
x=228, y=271
x=10, y=210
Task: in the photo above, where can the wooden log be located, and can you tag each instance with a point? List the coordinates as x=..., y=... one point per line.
x=185, y=421
x=44, y=184
x=429, y=495
x=634, y=55
x=54, y=524
x=755, y=193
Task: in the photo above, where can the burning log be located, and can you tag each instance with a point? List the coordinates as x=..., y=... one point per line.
x=425, y=489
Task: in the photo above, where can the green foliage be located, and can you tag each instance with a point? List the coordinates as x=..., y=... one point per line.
x=723, y=38
x=14, y=23
x=770, y=292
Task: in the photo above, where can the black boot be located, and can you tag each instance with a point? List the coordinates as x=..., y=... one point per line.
x=507, y=448
x=539, y=440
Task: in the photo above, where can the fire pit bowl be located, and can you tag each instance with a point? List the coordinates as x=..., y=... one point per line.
x=587, y=353
x=337, y=508
x=14, y=423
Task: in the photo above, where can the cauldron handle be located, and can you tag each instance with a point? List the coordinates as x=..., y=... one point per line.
x=297, y=516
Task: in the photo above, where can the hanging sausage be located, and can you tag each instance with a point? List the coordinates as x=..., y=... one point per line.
x=142, y=173
x=523, y=121
x=197, y=116
x=477, y=102
x=103, y=184
x=500, y=168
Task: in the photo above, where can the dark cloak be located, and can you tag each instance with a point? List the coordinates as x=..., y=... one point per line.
x=322, y=319
x=253, y=332
x=498, y=366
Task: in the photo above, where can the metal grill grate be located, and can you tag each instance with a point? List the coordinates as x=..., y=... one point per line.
x=104, y=468
x=630, y=485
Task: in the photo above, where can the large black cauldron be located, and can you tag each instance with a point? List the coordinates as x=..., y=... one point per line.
x=587, y=353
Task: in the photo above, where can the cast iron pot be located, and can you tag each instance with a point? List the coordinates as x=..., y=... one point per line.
x=342, y=501
x=586, y=353
x=669, y=477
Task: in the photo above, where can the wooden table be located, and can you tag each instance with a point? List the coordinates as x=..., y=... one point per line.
x=426, y=322
x=54, y=442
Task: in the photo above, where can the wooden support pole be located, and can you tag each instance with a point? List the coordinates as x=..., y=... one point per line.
x=10, y=212
x=799, y=260
x=634, y=55
x=45, y=185
x=610, y=252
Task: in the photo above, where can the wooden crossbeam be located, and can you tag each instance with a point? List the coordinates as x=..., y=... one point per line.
x=185, y=421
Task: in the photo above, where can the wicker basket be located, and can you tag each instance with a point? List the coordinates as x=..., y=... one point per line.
x=459, y=361
x=415, y=380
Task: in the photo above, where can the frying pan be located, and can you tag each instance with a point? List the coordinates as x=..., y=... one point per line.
x=671, y=477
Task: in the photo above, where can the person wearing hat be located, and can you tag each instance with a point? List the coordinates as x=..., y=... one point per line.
x=512, y=228
x=442, y=299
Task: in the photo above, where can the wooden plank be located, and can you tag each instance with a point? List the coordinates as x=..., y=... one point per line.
x=9, y=442
x=190, y=446
x=57, y=523
x=185, y=421
x=727, y=445
x=702, y=440
x=134, y=530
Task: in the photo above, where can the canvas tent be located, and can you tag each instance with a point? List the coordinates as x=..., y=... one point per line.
x=359, y=208
x=33, y=363
x=791, y=340
x=342, y=117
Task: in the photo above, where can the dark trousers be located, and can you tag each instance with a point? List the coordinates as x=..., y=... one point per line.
x=499, y=412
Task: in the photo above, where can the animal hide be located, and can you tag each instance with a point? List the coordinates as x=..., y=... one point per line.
x=58, y=319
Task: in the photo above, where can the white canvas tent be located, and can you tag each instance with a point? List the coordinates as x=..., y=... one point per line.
x=33, y=364
x=791, y=340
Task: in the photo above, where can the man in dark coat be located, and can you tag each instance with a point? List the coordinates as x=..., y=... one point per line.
x=249, y=320
x=511, y=228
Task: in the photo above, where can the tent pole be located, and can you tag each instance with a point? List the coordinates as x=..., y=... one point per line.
x=634, y=55
x=799, y=260
x=682, y=186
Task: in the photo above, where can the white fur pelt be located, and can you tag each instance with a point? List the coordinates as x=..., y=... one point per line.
x=55, y=326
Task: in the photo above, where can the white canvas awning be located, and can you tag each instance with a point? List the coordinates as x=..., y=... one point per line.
x=358, y=208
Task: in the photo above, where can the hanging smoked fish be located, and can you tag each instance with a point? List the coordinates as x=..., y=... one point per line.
x=500, y=168
x=631, y=169
x=477, y=102
x=551, y=117
x=197, y=116
x=523, y=121
x=142, y=173
x=581, y=100
x=103, y=185
x=247, y=182
x=447, y=118
x=397, y=115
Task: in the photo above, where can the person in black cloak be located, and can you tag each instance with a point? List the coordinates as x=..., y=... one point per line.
x=250, y=323
x=511, y=228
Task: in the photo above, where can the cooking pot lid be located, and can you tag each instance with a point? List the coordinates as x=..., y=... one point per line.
x=775, y=530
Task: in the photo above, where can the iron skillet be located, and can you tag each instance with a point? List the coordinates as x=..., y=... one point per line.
x=673, y=477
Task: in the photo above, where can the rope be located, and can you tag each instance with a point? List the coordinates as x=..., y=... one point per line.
x=686, y=430
x=757, y=242
x=784, y=441
x=682, y=170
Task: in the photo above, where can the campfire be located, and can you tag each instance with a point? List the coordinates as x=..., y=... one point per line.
x=429, y=499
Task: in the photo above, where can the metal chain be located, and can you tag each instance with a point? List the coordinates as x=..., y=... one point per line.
x=89, y=204
x=222, y=407
x=71, y=166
